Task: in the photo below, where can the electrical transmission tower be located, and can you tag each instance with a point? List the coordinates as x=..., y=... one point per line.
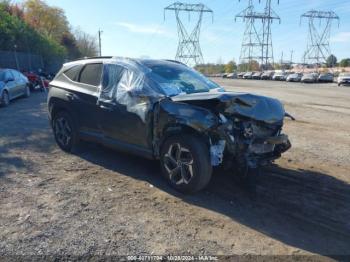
x=189, y=50
x=267, y=46
x=251, y=45
x=257, y=39
x=318, y=47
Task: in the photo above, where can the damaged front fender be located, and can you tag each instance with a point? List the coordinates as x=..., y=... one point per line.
x=173, y=117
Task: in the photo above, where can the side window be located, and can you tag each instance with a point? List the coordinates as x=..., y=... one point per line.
x=9, y=75
x=15, y=75
x=91, y=74
x=111, y=78
x=73, y=72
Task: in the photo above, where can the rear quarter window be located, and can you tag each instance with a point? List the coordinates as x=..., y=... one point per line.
x=91, y=74
x=73, y=72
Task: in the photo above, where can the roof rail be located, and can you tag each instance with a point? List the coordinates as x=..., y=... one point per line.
x=175, y=61
x=95, y=57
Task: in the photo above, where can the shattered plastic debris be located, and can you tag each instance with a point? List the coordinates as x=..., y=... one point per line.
x=217, y=153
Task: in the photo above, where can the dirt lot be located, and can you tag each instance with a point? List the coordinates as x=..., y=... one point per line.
x=102, y=202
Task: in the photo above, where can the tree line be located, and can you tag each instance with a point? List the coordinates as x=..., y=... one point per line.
x=35, y=27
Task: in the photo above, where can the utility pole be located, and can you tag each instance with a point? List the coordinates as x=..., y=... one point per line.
x=99, y=41
x=282, y=59
x=16, y=58
x=318, y=43
x=189, y=50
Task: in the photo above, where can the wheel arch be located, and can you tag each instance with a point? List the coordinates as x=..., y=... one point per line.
x=56, y=105
x=180, y=129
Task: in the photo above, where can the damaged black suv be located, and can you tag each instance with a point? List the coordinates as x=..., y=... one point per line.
x=164, y=110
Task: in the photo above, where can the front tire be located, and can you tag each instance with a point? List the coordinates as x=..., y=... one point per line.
x=65, y=131
x=5, y=99
x=185, y=163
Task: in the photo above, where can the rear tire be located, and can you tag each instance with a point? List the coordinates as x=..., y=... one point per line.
x=65, y=131
x=5, y=99
x=27, y=91
x=185, y=163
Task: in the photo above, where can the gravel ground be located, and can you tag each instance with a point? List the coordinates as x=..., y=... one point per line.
x=101, y=202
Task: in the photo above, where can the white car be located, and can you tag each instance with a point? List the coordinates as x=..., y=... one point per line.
x=344, y=79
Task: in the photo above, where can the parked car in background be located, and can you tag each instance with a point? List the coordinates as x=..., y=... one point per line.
x=296, y=77
x=232, y=76
x=267, y=75
x=240, y=75
x=344, y=79
x=13, y=84
x=310, y=78
x=280, y=76
x=326, y=78
x=248, y=75
x=257, y=76
x=167, y=111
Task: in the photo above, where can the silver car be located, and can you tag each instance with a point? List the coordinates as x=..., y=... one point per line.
x=294, y=77
x=13, y=84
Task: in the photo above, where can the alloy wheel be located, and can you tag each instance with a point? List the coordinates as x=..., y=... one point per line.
x=5, y=98
x=178, y=162
x=63, y=131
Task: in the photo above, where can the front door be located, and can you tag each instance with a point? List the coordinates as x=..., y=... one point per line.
x=120, y=120
x=11, y=84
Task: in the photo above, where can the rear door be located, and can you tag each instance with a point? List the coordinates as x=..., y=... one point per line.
x=89, y=81
x=20, y=83
x=79, y=87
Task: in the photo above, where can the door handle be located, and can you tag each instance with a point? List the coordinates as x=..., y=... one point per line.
x=106, y=108
x=70, y=96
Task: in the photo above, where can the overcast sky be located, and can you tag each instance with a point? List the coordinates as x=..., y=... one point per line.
x=136, y=28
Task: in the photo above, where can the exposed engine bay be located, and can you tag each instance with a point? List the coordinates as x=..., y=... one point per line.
x=242, y=130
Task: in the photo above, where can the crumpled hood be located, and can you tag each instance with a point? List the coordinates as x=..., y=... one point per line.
x=255, y=107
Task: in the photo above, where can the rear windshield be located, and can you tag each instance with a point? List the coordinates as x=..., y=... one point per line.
x=178, y=79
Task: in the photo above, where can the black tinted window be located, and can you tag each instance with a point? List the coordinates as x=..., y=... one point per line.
x=73, y=73
x=111, y=77
x=91, y=74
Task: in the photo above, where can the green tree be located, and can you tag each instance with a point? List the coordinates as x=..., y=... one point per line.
x=86, y=44
x=49, y=21
x=331, y=61
x=230, y=67
x=15, y=32
x=345, y=62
